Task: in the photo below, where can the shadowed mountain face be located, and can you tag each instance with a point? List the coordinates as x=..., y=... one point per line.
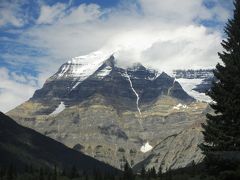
x=114, y=114
x=22, y=146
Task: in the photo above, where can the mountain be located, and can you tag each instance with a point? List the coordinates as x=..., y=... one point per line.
x=23, y=146
x=111, y=113
x=76, y=82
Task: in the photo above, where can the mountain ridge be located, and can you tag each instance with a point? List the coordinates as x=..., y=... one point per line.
x=22, y=146
x=115, y=114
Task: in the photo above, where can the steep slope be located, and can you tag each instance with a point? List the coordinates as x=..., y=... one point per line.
x=113, y=114
x=22, y=146
x=181, y=149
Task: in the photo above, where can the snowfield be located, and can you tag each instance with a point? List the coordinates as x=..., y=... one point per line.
x=180, y=106
x=146, y=147
x=59, y=109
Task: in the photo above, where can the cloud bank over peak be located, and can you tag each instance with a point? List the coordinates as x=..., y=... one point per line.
x=185, y=47
x=157, y=33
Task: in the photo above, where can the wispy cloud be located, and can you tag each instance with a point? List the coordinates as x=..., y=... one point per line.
x=15, y=89
x=50, y=14
x=11, y=13
x=7, y=17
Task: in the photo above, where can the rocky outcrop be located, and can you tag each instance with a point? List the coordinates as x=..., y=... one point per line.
x=175, y=151
x=114, y=137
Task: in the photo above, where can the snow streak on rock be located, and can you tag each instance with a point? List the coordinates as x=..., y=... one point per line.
x=137, y=101
x=131, y=85
x=104, y=72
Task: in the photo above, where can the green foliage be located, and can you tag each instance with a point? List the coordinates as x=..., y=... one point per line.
x=159, y=174
x=143, y=172
x=221, y=132
x=128, y=173
x=151, y=173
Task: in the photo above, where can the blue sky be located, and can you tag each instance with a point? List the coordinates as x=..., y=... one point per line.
x=37, y=36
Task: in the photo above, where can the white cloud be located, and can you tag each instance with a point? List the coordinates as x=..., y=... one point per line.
x=61, y=13
x=14, y=89
x=185, y=11
x=49, y=14
x=164, y=34
x=174, y=10
x=81, y=14
x=10, y=14
x=223, y=16
x=186, y=47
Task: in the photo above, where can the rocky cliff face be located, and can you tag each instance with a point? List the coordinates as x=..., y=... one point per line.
x=177, y=150
x=115, y=114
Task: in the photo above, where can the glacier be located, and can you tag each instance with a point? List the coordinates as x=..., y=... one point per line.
x=189, y=84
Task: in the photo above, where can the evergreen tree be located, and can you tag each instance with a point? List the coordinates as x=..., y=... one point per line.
x=63, y=172
x=41, y=176
x=74, y=172
x=55, y=173
x=153, y=172
x=169, y=174
x=143, y=172
x=10, y=173
x=148, y=174
x=97, y=175
x=128, y=173
x=2, y=172
x=49, y=177
x=222, y=130
x=31, y=171
x=159, y=174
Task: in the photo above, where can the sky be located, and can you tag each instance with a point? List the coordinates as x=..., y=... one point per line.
x=38, y=36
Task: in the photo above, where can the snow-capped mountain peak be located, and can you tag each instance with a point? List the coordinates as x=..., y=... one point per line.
x=83, y=66
x=100, y=64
